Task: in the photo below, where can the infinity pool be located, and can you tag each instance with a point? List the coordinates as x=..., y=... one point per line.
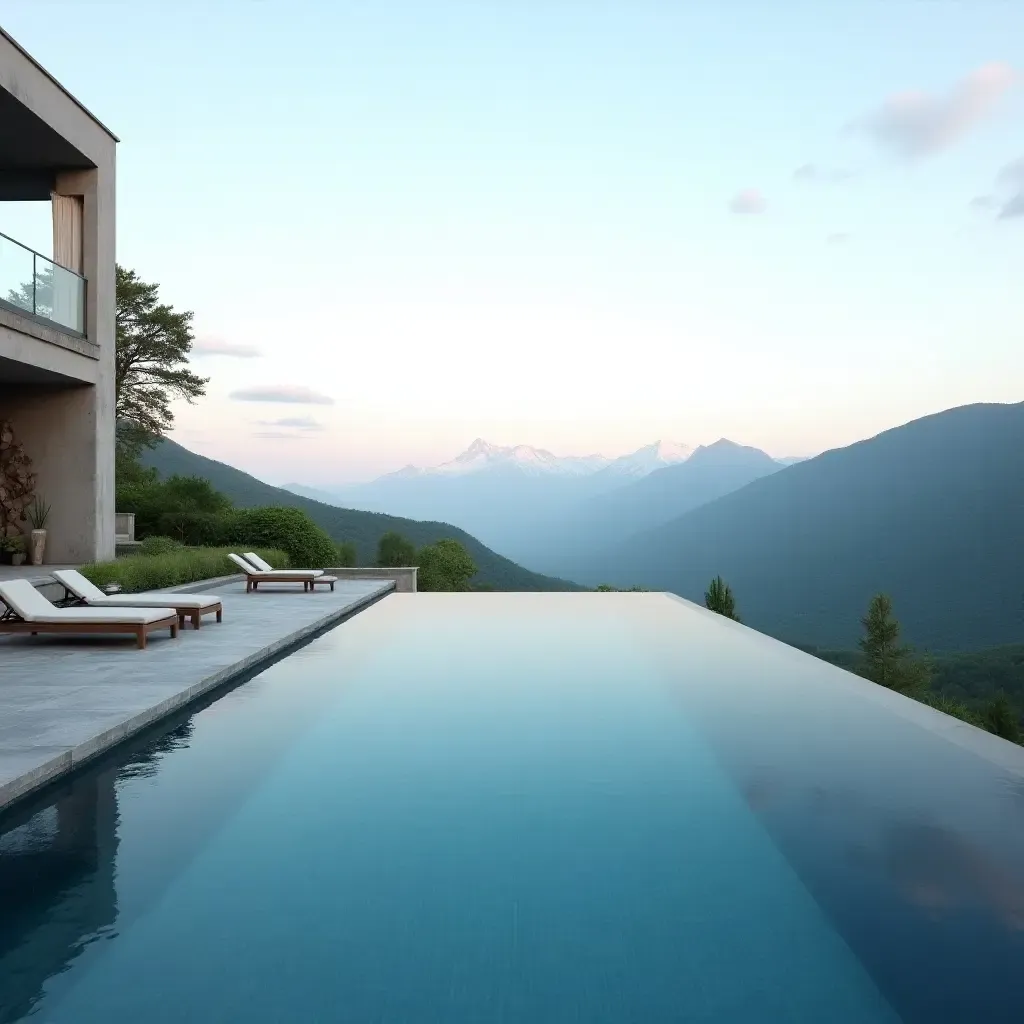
x=528, y=808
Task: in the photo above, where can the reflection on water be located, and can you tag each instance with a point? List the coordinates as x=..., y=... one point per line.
x=57, y=873
x=56, y=888
x=146, y=763
x=937, y=918
x=932, y=867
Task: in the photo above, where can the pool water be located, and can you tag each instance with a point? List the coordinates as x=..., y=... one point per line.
x=528, y=808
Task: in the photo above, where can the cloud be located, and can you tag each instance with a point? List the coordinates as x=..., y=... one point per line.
x=914, y=124
x=1012, y=174
x=1009, y=181
x=297, y=422
x=277, y=435
x=837, y=238
x=748, y=200
x=1013, y=207
x=814, y=174
x=293, y=394
x=219, y=347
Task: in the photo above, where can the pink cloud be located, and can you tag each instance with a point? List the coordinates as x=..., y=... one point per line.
x=748, y=201
x=914, y=124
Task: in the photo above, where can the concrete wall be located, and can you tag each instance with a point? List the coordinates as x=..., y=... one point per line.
x=39, y=345
x=62, y=434
x=405, y=578
x=69, y=433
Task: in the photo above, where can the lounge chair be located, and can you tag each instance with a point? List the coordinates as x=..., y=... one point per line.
x=80, y=591
x=318, y=574
x=28, y=611
x=254, y=577
x=258, y=563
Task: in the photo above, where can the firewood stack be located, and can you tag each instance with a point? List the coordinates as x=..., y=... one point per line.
x=17, y=481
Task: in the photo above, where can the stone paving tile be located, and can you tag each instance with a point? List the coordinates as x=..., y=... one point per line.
x=67, y=698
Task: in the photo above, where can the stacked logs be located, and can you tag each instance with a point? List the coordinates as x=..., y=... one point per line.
x=17, y=481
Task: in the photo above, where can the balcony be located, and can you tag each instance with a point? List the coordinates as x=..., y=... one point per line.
x=30, y=283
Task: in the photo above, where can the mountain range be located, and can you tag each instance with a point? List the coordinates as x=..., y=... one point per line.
x=536, y=506
x=931, y=512
x=364, y=529
x=709, y=473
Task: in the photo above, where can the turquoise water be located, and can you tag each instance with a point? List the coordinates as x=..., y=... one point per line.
x=527, y=808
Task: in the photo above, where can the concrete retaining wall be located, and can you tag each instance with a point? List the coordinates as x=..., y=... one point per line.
x=404, y=577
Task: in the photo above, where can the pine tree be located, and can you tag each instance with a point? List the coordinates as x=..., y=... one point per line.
x=151, y=364
x=886, y=662
x=718, y=598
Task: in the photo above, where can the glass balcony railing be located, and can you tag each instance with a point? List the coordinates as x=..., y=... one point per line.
x=36, y=285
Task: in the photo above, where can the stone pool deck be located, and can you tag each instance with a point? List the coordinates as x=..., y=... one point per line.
x=65, y=699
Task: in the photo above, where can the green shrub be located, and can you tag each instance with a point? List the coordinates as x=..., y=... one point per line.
x=159, y=545
x=445, y=565
x=151, y=499
x=1001, y=717
x=290, y=529
x=950, y=706
x=347, y=554
x=394, y=550
x=171, y=568
x=197, y=529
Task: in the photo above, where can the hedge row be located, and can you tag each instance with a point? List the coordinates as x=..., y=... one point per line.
x=289, y=529
x=172, y=568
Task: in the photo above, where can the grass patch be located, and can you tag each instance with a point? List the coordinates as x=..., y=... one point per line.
x=141, y=572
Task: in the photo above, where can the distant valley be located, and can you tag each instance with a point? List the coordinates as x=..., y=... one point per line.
x=931, y=512
x=363, y=529
x=546, y=510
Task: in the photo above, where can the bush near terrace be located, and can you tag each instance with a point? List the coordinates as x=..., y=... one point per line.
x=183, y=516
x=190, y=511
x=171, y=564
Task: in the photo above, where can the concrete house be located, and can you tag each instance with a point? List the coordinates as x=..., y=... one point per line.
x=57, y=310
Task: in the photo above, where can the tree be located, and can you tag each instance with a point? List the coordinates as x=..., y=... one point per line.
x=1000, y=718
x=153, y=343
x=347, y=554
x=186, y=507
x=718, y=598
x=35, y=296
x=444, y=565
x=886, y=662
x=394, y=551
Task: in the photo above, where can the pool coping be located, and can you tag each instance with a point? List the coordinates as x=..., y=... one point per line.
x=26, y=784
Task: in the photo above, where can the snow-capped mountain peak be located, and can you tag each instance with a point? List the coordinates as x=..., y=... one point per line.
x=483, y=456
x=649, y=458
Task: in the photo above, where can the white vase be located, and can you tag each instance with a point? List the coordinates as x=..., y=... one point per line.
x=38, y=546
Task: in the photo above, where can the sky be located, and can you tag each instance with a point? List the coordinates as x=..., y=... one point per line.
x=574, y=224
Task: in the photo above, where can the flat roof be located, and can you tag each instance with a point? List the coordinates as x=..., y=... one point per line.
x=78, y=103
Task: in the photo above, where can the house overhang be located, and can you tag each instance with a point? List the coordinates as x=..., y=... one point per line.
x=31, y=152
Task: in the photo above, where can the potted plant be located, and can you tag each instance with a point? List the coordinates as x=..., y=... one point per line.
x=6, y=550
x=17, y=549
x=37, y=513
